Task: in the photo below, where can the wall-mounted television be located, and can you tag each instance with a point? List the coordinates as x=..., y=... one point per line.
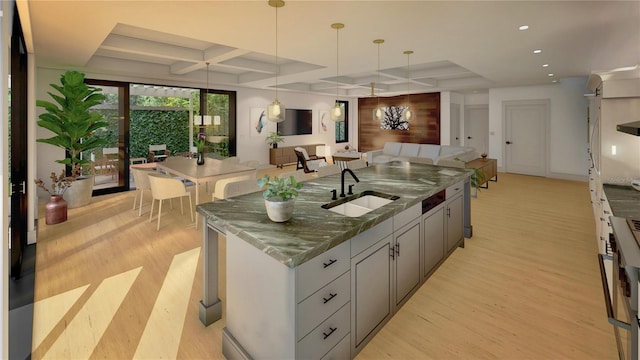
x=296, y=122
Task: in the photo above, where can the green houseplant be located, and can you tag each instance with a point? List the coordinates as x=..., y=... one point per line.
x=274, y=138
x=279, y=196
x=73, y=126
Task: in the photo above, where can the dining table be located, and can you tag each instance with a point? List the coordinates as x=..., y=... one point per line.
x=212, y=170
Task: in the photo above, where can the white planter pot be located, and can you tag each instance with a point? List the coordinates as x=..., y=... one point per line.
x=280, y=211
x=79, y=193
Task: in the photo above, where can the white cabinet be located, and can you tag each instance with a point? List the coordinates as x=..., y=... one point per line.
x=433, y=238
x=371, y=291
x=454, y=215
x=406, y=256
x=384, y=274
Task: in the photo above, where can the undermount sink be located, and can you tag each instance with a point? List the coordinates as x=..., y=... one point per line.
x=360, y=204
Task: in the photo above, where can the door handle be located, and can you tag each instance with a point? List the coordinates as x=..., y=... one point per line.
x=607, y=299
x=508, y=142
x=468, y=137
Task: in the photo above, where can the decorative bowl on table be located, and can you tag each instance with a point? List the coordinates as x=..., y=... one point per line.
x=635, y=184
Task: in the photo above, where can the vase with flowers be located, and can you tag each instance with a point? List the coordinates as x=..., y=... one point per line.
x=199, y=141
x=56, y=208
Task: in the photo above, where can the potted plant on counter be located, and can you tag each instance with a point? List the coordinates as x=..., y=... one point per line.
x=73, y=124
x=274, y=138
x=279, y=196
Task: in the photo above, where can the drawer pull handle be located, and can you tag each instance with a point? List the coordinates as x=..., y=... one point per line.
x=331, y=296
x=331, y=262
x=331, y=330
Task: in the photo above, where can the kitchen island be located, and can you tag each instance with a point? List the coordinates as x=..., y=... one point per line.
x=323, y=283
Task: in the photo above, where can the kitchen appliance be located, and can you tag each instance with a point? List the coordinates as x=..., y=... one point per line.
x=632, y=128
x=622, y=305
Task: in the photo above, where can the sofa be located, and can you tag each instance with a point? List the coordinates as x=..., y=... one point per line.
x=441, y=155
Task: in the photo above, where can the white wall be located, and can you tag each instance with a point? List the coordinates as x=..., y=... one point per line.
x=252, y=147
x=568, y=124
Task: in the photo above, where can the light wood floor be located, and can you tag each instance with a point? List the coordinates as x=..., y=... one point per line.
x=526, y=286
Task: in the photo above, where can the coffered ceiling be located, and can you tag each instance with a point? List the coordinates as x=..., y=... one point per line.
x=459, y=46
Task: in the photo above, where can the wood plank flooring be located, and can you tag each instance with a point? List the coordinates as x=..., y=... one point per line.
x=526, y=286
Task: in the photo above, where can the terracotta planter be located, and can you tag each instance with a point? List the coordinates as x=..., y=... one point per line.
x=55, y=210
x=280, y=211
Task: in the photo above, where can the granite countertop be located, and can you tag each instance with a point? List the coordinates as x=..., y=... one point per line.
x=624, y=200
x=313, y=230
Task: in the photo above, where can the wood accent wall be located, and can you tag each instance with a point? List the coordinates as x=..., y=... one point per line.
x=423, y=129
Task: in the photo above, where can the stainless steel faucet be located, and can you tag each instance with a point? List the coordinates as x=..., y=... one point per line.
x=342, y=184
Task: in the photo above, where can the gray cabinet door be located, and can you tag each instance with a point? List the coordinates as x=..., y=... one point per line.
x=370, y=291
x=454, y=222
x=407, y=260
x=433, y=230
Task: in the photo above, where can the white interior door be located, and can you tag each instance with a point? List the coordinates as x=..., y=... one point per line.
x=526, y=125
x=476, y=127
x=455, y=125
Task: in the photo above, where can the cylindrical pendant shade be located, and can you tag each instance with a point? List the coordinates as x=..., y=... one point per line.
x=275, y=111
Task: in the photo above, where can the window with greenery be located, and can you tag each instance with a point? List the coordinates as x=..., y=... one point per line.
x=342, y=127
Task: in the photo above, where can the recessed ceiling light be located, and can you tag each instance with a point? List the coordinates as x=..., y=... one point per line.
x=537, y=51
x=549, y=74
x=545, y=65
x=523, y=27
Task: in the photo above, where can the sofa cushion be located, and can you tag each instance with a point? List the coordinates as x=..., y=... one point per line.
x=430, y=151
x=381, y=159
x=446, y=149
x=409, y=150
x=392, y=148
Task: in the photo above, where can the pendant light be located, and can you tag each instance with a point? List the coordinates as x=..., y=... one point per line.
x=336, y=112
x=408, y=114
x=377, y=112
x=275, y=110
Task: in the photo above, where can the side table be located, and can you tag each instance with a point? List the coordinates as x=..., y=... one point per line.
x=489, y=168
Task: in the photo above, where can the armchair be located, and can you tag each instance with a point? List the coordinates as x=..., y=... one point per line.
x=308, y=163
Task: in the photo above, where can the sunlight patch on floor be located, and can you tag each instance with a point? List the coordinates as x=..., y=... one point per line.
x=83, y=333
x=163, y=332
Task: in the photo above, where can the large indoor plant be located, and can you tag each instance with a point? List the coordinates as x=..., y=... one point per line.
x=73, y=124
x=279, y=196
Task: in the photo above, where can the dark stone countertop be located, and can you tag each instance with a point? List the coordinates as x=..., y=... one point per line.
x=624, y=200
x=313, y=230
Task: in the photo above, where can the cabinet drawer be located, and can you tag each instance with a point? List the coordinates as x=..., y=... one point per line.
x=321, y=270
x=341, y=351
x=326, y=335
x=324, y=302
x=365, y=239
x=454, y=189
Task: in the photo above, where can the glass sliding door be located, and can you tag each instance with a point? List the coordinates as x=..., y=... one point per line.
x=110, y=164
x=220, y=128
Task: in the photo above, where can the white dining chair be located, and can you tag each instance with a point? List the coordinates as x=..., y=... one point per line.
x=356, y=164
x=328, y=170
x=141, y=180
x=299, y=175
x=166, y=188
x=224, y=188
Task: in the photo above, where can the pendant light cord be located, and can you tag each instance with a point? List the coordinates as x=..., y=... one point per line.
x=276, y=52
x=337, y=62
